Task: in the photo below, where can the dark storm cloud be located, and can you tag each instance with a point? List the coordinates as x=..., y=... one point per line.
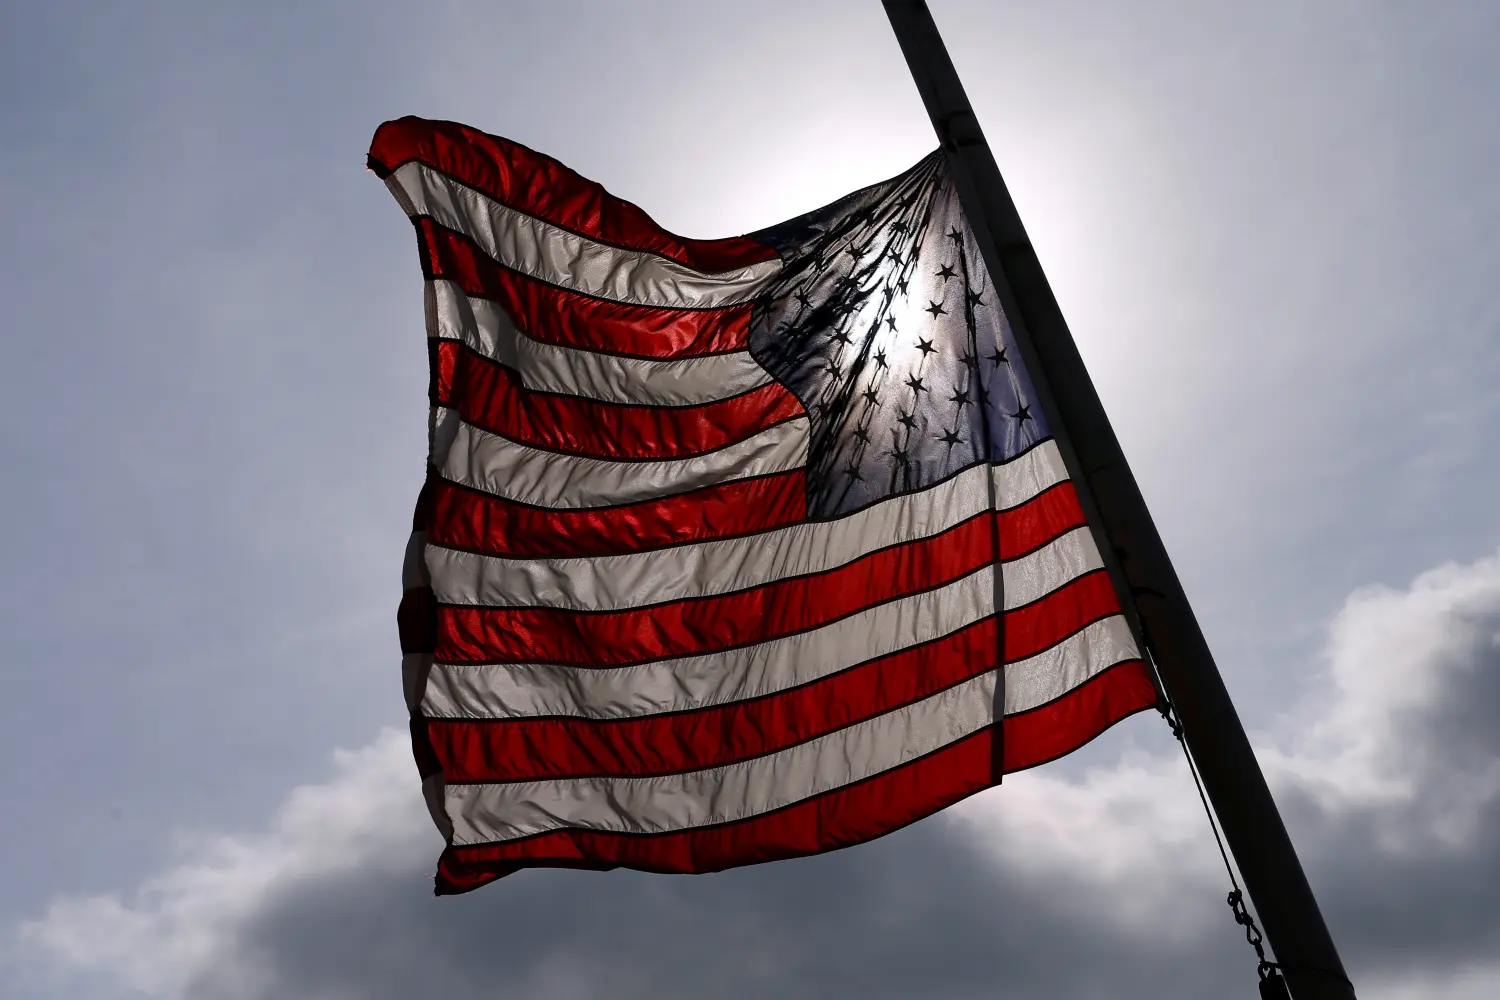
x=919, y=914
x=1052, y=886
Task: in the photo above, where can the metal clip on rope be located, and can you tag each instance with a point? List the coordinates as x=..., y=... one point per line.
x=1272, y=985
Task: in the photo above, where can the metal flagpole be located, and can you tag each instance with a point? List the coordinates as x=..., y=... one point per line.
x=1226, y=764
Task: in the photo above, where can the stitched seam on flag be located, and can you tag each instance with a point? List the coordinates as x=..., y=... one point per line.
x=733, y=822
x=430, y=275
x=710, y=706
x=730, y=762
x=718, y=594
x=568, y=229
x=705, y=652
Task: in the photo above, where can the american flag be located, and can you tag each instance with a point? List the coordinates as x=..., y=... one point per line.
x=707, y=564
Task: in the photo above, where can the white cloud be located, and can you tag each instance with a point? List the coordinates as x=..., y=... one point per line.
x=1389, y=777
x=366, y=818
x=1396, y=661
x=1131, y=836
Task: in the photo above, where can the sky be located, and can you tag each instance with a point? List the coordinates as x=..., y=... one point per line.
x=1274, y=229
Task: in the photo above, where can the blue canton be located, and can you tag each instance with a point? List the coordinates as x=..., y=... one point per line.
x=885, y=325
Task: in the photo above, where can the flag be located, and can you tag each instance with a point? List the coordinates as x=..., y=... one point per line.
x=729, y=550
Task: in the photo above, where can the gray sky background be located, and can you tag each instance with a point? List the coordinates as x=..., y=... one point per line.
x=1275, y=230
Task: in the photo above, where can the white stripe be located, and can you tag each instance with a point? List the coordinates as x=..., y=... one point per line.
x=637, y=579
x=498, y=812
x=1032, y=682
x=1025, y=476
x=519, y=690
x=489, y=330
x=525, y=243
x=1035, y=576
x=485, y=461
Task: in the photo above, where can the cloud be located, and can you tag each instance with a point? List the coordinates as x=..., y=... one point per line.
x=1394, y=783
x=1099, y=883
x=361, y=823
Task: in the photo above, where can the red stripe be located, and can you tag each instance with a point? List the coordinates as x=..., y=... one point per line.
x=536, y=184
x=558, y=316
x=1039, y=520
x=521, y=749
x=684, y=628
x=851, y=815
x=491, y=396
x=1061, y=726
x=709, y=624
x=465, y=519
x=1042, y=624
